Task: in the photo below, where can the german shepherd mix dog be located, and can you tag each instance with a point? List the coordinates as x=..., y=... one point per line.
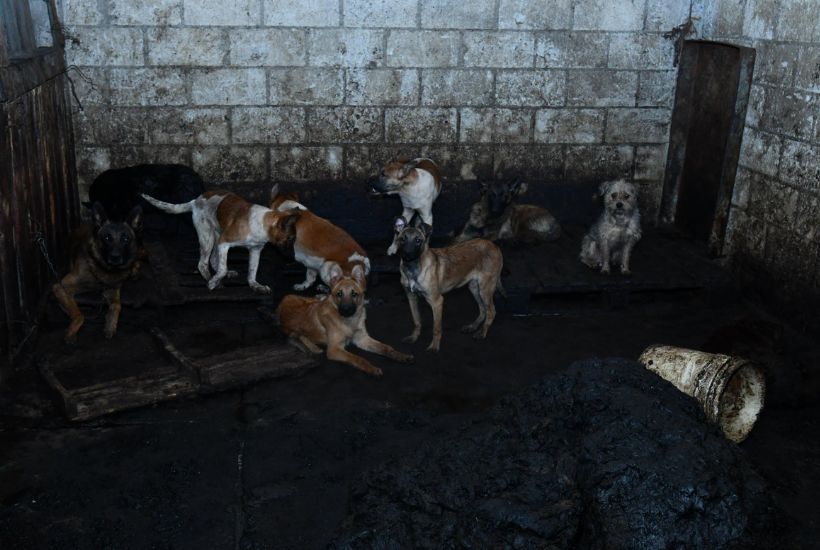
x=102, y=256
x=495, y=217
x=334, y=321
x=319, y=245
x=417, y=182
x=432, y=272
x=224, y=220
x=613, y=236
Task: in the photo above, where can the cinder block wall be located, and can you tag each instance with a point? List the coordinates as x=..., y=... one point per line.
x=775, y=219
x=252, y=90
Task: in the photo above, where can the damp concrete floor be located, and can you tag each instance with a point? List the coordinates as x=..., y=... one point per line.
x=271, y=465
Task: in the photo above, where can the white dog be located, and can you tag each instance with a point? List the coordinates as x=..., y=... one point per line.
x=617, y=230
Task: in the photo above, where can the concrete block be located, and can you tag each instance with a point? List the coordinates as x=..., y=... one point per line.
x=267, y=47
x=569, y=125
x=106, y=125
x=457, y=14
x=776, y=64
x=420, y=125
x=128, y=155
x=362, y=162
x=154, y=87
x=160, y=13
x=559, y=50
x=657, y=88
x=505, y=49
x=640, y=125
x=537, y=88
x=382, y=87
x=650, y=162
x=537, y=163
x=92, y=87
x=799, y=21
x=641, y=51
x=760, y=151
x=228, y=87
x=727, y=18
x=186, y=46
x=118, y=46
x=91, y=162
x=81, y=12
x=605, y=15
x=755, y=111
x=345, y=125
x=227, y=164
x=380, y=13
x=805, y=218
x=495, y=125
x=268, y=125
x=792, y=113
x=800, y=165
x=456, y=87
x=534, y=14
x=237, y=13
x=460, y=162
x=808, y=69
x=663, y=15
x=186, y=126
x=760, y=18
x=598, y=162
x=306, y=86
x=422, y=48
x=306, y=163
x=309, y=13
x=601, y=88
x=345, y=47
x=743, y=182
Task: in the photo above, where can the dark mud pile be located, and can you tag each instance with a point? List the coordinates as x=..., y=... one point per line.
x=604, y=456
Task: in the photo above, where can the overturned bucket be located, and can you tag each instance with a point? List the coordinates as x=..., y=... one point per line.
x=731, y=390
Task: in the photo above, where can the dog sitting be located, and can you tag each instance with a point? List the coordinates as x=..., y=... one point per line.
x=432, y=272
x=495, y=217
x=335, y=321
x=319, y=245
x=417, y=182
x=613, y=236
x=102, y=256
x=224, y=220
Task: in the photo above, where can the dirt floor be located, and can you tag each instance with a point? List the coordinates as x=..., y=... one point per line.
x=271, y=465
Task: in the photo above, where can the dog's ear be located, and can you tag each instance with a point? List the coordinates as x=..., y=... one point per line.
x=399, y=224
x=427, y=229
x=407, y=167
x=603, y=189
x=134, y=219
x=416, y=221
x=358, y=274
x=518, y=187
x=289, y=222
x=274, y=192
x=334, y=274
x=98, y=215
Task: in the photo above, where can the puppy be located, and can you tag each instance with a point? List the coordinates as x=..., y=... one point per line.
x=102, y=255
x=432, y=272
x=495, y=217
x=613, y=236
x=224, y=220
x=319, y=245
x=417, y=182
x=335, y=321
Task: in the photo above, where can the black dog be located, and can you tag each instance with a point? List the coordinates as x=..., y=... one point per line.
x=118, y=191
x=103, y=255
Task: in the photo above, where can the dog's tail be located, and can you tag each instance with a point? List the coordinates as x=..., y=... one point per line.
x=169, y=207
x=500, y=288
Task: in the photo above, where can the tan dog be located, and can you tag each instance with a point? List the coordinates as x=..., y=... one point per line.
x=613, y=236
x=224, y=220
x=319, y=245
x=417, y=182
x=334, y=321
x=432, y=272
x=496, y=217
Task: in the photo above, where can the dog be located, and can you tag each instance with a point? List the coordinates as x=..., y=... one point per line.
x=118, y=191
x=335, y=321
x=613, y=236
x=417, y=182
x=319, y=245
x=494, y=217
x=224, y=220
x=102, y=256
x=432, y=272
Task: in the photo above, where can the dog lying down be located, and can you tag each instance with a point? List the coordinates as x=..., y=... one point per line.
x=224, y=220
x=613, y=236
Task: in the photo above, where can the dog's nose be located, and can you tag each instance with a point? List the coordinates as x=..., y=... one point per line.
x=346, y=310
x=619, y=205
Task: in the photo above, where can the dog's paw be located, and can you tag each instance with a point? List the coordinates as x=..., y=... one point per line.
x=479, y=335
x=433, y=347
x=374, y=371
x=109, y=334
x=626, y=271
x=70, y=339
x=261, y=289
x=404, y=358
x=392, y=250
x=411, y=339
x=213, y=282
x=605, y=270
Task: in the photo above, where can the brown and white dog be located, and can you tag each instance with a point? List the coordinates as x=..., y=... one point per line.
x=613, y=236
x=334, y=321
x=224, y=220
x=417, y=182
x=495, y=217
x=432, y=272
x=319, y=245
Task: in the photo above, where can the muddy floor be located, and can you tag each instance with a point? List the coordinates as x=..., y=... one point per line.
x=272, y=465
